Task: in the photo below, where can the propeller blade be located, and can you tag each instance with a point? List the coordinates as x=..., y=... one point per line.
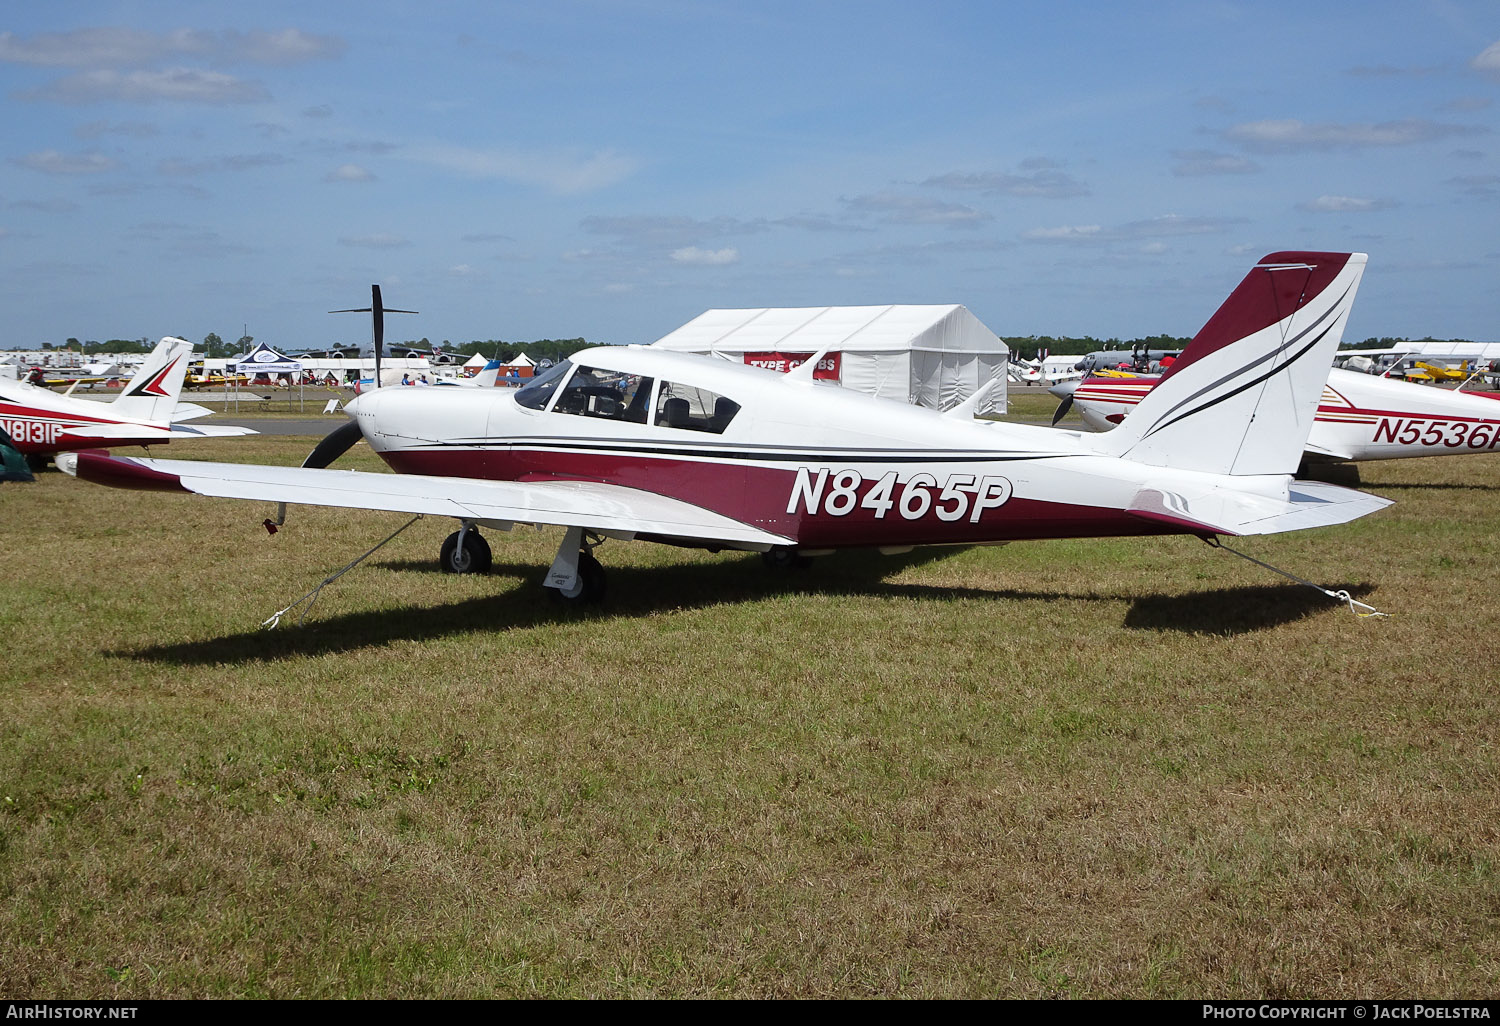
x=1063, y=390
x=335, y=444
x=1062, y=409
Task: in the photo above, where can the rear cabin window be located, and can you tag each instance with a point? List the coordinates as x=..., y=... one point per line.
x=607, y=394
x=534, y=395
x=694, y=409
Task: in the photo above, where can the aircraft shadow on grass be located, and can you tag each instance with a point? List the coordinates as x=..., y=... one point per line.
x=1231, y=611
x=1435, y=486
x=640, y=591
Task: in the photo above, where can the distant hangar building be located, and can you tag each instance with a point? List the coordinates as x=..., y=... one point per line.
x=933, y=356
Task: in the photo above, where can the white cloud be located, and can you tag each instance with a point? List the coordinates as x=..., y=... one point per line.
x=1064, y=233
x=378, y=240
x=1344, y=205
x=53, y=162
x=561, y=172
x=1488, y=62
x=179, y=167
x=1045, y=182
x=895, y=208
x=1291, y=135
x=130, y=129
x=173, y=85
x=348, y=173
x=706, y=257
x=1166, y=226
x=114, y=47
x=668, y=230
x=1196, y=163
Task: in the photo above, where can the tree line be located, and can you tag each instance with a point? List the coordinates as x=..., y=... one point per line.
x=1025, y=347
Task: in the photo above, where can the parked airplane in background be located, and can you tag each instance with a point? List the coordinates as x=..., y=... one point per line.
x=1139, y=360
x=636, y=443
x=147, y=412
x=1360, y=416
x=1044, y=369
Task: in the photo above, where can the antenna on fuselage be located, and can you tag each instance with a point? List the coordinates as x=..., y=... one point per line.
x=377, y=311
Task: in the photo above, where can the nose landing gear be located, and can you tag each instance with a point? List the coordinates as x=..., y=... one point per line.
x=465, y=552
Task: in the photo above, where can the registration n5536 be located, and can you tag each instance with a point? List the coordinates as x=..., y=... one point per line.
x=839, y=494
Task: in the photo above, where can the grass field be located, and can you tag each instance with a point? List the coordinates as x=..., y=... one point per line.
x=1083, y=769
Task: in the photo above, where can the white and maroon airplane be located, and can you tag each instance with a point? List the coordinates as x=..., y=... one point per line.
x=146, y=412
x=638, y=443
x=1360, y=417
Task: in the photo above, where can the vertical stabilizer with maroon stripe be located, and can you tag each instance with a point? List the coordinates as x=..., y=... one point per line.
x=153, y=392
x=1241, y=398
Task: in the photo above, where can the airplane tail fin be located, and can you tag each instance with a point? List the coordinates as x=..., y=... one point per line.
x=489, y=375
x=153, y=392
x=1241, y=398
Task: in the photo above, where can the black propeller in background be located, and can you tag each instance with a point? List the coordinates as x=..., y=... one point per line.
x=341, y=439
x=377, y=311
x=335, y=444
x=1064, y=391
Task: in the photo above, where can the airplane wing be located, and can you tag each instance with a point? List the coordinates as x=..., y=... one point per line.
x=591, y=505
x=1224, y=511
x=145, y=434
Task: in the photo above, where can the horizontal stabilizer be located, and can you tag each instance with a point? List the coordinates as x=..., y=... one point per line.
x=189, y=411
x=210, y=431
x=144, y=434
x=1228, y=511
x=592, y=505
x=1323, y=450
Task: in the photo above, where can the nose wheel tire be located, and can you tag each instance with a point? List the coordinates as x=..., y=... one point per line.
x=473, y=558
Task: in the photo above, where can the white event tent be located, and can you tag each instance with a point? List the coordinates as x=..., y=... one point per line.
x=934, y=356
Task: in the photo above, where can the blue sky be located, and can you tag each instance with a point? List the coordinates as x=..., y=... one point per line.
x=611, y=170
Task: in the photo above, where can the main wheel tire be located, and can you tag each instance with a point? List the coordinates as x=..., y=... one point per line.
x=475, y=557
x=36, y=462
x=589, y=587
x=785, y=558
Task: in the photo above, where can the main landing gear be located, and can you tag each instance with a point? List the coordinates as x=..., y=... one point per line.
x=465, y=552
x=575, y=575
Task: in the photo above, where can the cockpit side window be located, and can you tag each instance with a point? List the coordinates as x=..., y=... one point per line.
x=534, y=396
x=612, y=395
x=693, y=409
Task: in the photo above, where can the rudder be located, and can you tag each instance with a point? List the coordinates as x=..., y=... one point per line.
x=1242, y=396
x=152, y=393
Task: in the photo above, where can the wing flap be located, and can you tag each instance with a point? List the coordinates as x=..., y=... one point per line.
x=591, y=505
x=1225, y=511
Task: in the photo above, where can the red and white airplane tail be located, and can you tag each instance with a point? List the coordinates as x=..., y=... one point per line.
x=1241, y=398
x=153, y=392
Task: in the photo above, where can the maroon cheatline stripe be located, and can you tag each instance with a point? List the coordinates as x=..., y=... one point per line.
x=758, y=496
x=101, y=468
x=1262, y=299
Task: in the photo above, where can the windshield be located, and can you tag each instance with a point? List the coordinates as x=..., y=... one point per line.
x=535, y=395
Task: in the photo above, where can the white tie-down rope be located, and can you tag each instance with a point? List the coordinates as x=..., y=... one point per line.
x=1338, y=596
x=311, y=597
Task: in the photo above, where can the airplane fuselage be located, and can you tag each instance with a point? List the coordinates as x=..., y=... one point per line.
x=1360, y=417
x=43, y=422
x=867, y=474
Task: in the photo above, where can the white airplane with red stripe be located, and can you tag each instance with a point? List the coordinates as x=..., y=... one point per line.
x=1360, y=416
x=146, y=412
x=637, y=443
